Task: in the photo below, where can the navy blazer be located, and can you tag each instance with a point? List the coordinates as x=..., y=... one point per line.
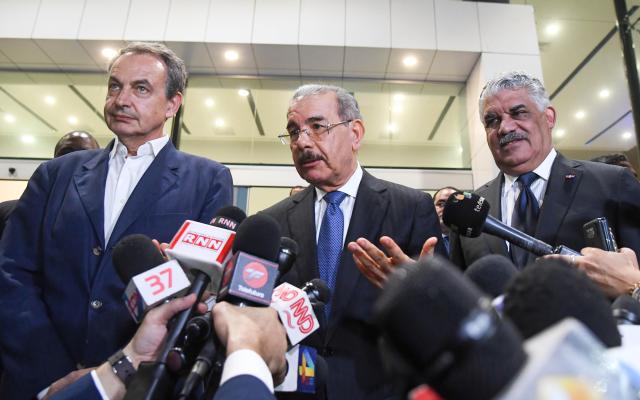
x=348, y=341
x=61, y=298
x=577, y=192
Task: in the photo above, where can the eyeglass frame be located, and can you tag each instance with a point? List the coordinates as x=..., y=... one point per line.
x=286, y=139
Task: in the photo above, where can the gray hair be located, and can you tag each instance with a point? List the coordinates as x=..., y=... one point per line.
x=176, y=70
x=515, y=80
x=347, y=104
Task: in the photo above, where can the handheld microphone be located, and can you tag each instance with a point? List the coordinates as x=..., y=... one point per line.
x=438, y=328
x=626, y=310
x=205, y=247
x=249, y=276
x=550, y=291
x=491, y=274
x=151, y=280
x=468, y=215
x=295, y=311
x=286, y=256
x=318, y=293
x=307, y=377
x=247, y=280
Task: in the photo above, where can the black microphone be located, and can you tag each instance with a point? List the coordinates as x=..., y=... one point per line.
x=491, y=273
x=468, y=215
x=626, y=310
x=318, y=293
x=133, y=255
x=286, y=256
x=551, y=290
x=438, y=328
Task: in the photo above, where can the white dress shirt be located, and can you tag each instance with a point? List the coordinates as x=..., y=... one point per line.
x=511, y=188
x=124, y=174
x=351, y=189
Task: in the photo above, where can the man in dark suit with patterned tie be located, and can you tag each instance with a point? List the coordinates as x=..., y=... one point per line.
x=539, y=191
x=344, y=203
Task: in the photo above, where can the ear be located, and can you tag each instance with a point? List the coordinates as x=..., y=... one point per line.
x=550, y=115
x=357, y=132
x=173, y=105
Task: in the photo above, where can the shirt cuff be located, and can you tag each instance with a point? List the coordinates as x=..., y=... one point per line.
x=99, y=387
x=43, y=393
x=246, y=362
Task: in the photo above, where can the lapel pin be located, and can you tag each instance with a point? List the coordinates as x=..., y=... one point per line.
x=569, y=177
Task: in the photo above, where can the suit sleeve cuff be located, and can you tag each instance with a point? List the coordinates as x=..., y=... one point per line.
x=246, y=362
x=99, y=387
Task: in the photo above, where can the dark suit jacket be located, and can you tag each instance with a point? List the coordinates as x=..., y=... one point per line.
x=6, y=208
x=349, y=340
x=237, y=388
x=61, y=298
x=577, y=192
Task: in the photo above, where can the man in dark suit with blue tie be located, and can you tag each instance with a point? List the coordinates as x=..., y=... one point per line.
x=61, y=299
x=539, y=191
x=344, y=203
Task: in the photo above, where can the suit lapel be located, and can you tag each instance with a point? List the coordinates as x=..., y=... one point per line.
x=561, y=189
x=301, y=223
x=369, y=211
x=90, y=182
x=494, y=196
x=161, y=175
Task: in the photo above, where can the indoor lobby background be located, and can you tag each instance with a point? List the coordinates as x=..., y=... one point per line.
x=416, y=68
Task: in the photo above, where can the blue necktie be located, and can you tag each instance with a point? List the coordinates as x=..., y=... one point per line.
x=525, y=215
x=330, y=242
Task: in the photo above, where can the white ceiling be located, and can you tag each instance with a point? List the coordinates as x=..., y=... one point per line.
x=52, y=65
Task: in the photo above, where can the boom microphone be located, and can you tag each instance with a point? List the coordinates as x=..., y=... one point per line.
x=626, y=310
x=468, y=215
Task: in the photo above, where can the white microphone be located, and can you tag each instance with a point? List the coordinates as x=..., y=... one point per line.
x=295, y=311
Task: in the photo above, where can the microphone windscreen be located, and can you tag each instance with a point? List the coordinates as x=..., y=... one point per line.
x=133, y=255
x=424, y=313
x=290, y=244
x=320, y=290
x=491, y=273
x=259, y=235
x=228, y=217
x=626, y=310
x=465, y=213
x=551, y=290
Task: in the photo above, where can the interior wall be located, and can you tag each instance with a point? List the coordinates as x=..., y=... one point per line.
x=11, y=190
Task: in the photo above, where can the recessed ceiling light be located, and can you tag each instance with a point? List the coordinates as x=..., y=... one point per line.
x=231, y=55
x=28, y=139
x=243, y=92
x=392, y=128
x=109, y=53
x=398, y=97
x=626, y=135
x=397, y=108
x=209, y=102
x=409, y=61
x=580, y=114
x=560, y=133
x=50, y=100
x=552, y=29
x=460, y=149
x=219, y=122
x=604, y=93
x=72, y=120
x=9, y=118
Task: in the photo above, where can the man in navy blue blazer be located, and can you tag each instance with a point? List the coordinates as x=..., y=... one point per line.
x=254, y=339
x=62, y=307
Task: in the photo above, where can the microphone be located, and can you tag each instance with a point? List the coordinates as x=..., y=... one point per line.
x=151, y=280
x=249, y=276
x=247, y=280
x=308, y=378
x=200, y=247
x=286, y=256
x=468, y=215
x=491, y=274
x=438, y=328
x=626, y=310
x=205, y=247
x=318, y=293
x=550, y=291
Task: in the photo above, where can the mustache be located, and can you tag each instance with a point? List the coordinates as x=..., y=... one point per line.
x=511, y=136
x=308, y=156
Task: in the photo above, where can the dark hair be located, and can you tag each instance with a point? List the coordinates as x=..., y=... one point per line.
x=176, y=70
x=613, y=159
x=443, y=188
